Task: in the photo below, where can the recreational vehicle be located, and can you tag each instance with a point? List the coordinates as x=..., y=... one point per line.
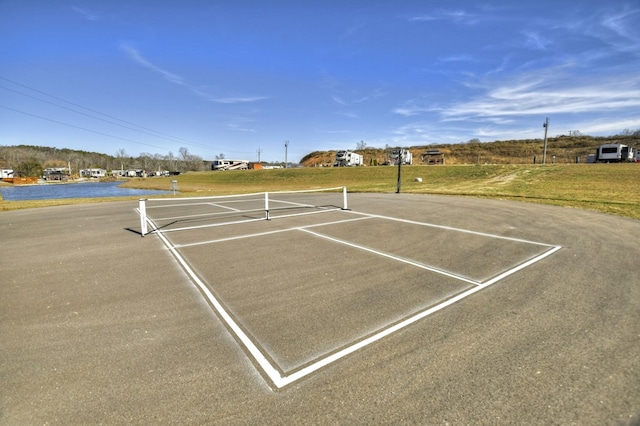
x=225, y=164
x=93, y=173
x=403, y=155
x=614, y=153
x=348, y=158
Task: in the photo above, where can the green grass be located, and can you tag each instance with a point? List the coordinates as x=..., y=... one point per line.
x=608, y=188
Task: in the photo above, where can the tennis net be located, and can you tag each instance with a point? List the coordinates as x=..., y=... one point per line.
x=176, y=214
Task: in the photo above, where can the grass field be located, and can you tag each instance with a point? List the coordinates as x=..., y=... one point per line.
x=608, y=188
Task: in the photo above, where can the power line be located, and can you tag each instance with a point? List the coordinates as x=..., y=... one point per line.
x=146, y=130
x=89, y=115
x=80, y=128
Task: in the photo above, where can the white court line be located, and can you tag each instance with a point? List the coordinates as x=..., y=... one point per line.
x=259, y=234
x=222, y=206
x=397, y=258
x=280, y=380
x=450, y=228
x=403, y=324
x=209, y=225
x=266, y=366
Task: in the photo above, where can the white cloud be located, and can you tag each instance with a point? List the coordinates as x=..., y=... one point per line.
x=457, y=16
x=137, y=57
x=237, y=99
x=134, y=55
x=536, y=41
x=625, y=26
x=86, y=14
x=531, y=95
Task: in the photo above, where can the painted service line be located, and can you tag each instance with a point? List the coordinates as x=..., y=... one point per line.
x=450, y=228
x=211, y=225
x=286, y=380
x=396, y=258
x=259, y=234
x=222, y=206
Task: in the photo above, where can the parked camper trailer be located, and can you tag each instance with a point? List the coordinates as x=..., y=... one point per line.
x=6, y=174
x=226, y=164
x=348, y=158
x=407, y=157
x=614, y=153
x=93, y=173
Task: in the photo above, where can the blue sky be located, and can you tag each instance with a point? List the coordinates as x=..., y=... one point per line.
x=242, y=77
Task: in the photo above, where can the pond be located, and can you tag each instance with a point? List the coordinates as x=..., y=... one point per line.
x=72, y=190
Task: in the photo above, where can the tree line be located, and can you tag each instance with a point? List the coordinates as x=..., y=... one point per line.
x=29, y=160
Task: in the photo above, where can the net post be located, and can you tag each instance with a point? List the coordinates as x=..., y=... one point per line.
x=143, y=216
x=266, y=205
x=344, y=197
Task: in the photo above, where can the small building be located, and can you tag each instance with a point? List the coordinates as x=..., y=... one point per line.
x=255, y=166
x=56, y=174
x=432, y=157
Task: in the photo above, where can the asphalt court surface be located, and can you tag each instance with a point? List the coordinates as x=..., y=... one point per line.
x=316, y=264
x=101, y=326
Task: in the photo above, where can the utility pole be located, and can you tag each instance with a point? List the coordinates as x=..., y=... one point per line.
x=259, y=152
x=544, y=152
x=286, y=149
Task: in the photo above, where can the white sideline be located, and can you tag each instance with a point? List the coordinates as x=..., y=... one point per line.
x=280, y=380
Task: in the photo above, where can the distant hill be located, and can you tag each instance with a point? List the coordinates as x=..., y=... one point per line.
x=563, y=149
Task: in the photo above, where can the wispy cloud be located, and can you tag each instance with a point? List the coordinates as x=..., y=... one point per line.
x=624, y=33
x=239, y=127
x=413, y=108
x=137, y=58
x=85, y=13
x=456, y=58
x=534, y=96
x=508, y=108
x=237, y=99
x=339, y=100
x=535, y=41
x=457, y=16
x=342, y=100
x=134, y=55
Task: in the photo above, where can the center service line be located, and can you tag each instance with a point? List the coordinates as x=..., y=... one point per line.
x=450, y=228
x=390, y=256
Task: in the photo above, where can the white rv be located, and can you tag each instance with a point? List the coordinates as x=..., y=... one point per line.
x=348, y=158
x=6, y=174
x=93, y=173
x=407, y=157
x=225, y=164
x=614, y=153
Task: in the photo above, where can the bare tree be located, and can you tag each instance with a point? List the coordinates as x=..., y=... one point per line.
x=121, y=155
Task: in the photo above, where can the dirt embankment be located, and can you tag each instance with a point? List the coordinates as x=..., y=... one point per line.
x=561, y=149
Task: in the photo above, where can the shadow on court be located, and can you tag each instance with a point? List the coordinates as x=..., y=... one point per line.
x=420, y=309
